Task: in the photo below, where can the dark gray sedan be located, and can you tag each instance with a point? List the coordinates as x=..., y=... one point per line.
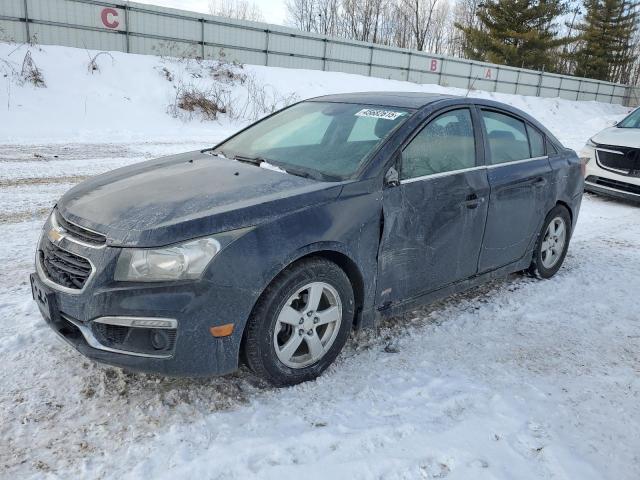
x=332, y=213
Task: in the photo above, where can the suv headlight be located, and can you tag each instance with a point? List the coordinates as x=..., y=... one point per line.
x=184, y=261
x=587, y=152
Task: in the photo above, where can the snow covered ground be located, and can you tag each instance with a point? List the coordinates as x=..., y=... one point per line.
x=517, y=379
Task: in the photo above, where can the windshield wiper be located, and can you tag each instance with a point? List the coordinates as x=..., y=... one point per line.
x=252, y=160
x=217, y=153
x=288, y=168
x=306, y=173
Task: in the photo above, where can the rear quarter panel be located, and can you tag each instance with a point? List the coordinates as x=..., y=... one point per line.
x=569, y=181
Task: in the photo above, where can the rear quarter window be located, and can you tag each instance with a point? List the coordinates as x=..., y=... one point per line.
x=536, y=142
x=551, y=148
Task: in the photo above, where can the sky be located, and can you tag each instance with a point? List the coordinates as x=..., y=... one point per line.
x=273, y=10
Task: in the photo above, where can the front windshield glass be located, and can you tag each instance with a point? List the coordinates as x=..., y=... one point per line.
x=322, y=139
x=632, y=121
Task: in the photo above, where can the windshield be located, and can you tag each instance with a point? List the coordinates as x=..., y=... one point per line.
x=632, y=121
x=331, y=140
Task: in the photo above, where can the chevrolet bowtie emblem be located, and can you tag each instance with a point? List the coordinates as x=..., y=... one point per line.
x=55, y=235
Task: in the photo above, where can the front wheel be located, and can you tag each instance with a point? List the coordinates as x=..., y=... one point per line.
x=553, y=243
x=300, y=323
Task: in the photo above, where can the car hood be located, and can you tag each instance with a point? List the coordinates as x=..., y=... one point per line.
x=622, y=137
x=184, y=196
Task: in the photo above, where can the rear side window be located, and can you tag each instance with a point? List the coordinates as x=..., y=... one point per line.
x=507, y=137
x=444, y=145
x=536, y=141
x=551, y=148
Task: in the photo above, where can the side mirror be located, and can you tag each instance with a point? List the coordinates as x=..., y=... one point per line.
x=392, y=179
x=614, y=123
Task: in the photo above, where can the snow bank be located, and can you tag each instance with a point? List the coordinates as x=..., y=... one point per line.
x=127, y=99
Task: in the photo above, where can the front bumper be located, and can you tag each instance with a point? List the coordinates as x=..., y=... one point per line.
x=192, y=350
x=612, y=188
x=97, y=319
x=606, y=182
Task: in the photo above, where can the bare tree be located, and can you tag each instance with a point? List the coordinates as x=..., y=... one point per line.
x=238, y=9
x=465, y=13
x=419, y=14
x=302, y=14
x=327, y=17
x=437, y=41
x=421, y=24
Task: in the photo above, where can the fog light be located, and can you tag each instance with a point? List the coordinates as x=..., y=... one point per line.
x=159, y=339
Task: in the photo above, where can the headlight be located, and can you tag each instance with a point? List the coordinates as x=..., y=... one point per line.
x=587, y=152
x=177, y=262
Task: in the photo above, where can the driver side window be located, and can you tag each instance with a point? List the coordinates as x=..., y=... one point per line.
x=446, y=144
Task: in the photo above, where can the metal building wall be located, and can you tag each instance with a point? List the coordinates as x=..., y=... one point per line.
x=152, y=30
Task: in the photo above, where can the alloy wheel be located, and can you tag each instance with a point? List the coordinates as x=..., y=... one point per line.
x=307, y=325
x=553, y=242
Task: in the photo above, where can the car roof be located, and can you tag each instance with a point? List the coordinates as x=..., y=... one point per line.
x=418, y=100
x=386, y=99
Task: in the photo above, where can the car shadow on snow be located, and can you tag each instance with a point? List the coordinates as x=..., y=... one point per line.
x=226, y=392
x=77, y=406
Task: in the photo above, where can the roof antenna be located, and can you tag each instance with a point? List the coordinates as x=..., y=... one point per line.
x=471, y=86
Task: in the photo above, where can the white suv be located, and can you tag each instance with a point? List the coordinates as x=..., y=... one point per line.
x=612, y=160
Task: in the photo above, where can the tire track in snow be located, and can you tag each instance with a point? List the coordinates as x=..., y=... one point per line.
x=33, y=177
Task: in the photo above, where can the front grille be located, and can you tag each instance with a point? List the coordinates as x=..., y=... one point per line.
x=615, y=184
x=110, y=334
x=63, y=267
x=80, y=233
x=622, y=160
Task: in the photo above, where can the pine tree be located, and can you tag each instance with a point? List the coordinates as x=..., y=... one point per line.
x=607, y=34
x=519, y=33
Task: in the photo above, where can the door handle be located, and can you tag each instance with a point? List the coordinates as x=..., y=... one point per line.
x=472, y=201
x=540, y=182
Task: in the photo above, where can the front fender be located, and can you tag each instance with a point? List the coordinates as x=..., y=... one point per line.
x=348, y=226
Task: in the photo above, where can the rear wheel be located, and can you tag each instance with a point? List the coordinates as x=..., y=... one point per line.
x=300, y=323
x=553, y=243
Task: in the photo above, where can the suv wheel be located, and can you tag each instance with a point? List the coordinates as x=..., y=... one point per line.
x=300, y=323
x=553, y=243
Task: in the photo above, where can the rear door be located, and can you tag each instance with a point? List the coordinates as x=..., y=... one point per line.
x=434, y=219
x=520, y=178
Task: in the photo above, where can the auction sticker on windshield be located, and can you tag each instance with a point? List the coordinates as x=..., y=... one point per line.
x=374, y=113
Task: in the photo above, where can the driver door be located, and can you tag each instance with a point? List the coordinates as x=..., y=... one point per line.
x=434, y=219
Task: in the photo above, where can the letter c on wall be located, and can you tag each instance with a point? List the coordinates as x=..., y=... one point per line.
x=109, y=16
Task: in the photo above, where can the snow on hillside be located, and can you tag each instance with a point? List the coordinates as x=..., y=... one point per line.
x=127, y=99
x=519, y=379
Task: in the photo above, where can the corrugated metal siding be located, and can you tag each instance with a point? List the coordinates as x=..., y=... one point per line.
x=164, y=26
x=149, y=29
x=12, y=8
x=234, y=37
x=12, y=31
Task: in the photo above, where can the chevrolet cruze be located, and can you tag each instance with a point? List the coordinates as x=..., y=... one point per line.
x=328, y=215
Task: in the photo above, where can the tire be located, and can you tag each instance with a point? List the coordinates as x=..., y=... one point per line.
x=551, y=247
x=285, y=315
